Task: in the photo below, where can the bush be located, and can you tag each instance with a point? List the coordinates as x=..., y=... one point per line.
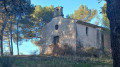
x=65, y=50
x=92, y=52
x=88, y=52
x=68, y=50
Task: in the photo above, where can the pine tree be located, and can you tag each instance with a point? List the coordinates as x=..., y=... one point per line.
x=84, y=14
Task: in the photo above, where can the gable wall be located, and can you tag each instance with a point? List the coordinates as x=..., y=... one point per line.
x=66, y=32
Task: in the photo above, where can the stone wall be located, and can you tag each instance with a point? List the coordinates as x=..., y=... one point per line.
x=89, y=37
x=69, y=33
x=107, y=43
x=66, y=32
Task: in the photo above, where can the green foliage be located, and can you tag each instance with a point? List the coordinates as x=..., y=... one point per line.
x=31, y=24
x=91, y=51
x=98, y=20
x=11, y=11
x=36, y=42
x=68, y=17
x=106, y=22
x=43, y=13
x=106, y=31
x=40, y=15
x=84, y=14
x=104, y=9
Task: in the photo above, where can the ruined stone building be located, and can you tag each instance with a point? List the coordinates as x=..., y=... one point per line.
x=73, y=33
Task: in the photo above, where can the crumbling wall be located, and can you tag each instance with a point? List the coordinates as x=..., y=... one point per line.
x=66, y=32
x=88, y=39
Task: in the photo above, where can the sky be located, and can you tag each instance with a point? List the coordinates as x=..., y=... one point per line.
x=69, y=5
x=68, y=8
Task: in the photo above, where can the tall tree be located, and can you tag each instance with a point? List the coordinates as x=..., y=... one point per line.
x=84, y=14
x=113, y=13
x=40, y=17
x=106, y=22
x=32, y=24
x=12, y=7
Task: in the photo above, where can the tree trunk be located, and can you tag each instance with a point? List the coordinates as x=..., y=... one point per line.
x=9, y=44
x=1, y=42
x=11, y=38
x=1, y=34
x=113, y=13
x=17, y=39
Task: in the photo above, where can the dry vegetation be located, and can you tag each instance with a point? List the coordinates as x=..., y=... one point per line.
x=53, y=61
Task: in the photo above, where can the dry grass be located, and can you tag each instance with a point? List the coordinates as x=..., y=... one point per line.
x=52, y=61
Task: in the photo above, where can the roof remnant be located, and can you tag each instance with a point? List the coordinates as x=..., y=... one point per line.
x=88, y=24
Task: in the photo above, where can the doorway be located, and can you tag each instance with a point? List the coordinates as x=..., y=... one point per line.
x=56, y=40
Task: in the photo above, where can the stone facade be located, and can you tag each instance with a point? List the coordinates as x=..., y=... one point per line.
x=61, y=31
x=66, y=32
x=89, y=36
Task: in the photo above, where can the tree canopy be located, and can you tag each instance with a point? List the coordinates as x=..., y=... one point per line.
x=106, y=22
x=43, y=13
x=83, y=13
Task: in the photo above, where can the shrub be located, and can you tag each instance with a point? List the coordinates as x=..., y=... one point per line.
x=91, y=51
x=65, y=50
x=68, y=50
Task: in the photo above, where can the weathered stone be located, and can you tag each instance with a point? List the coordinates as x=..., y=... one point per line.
x=61, y=31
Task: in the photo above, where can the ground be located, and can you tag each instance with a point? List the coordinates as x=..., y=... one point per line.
x=53, y=61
